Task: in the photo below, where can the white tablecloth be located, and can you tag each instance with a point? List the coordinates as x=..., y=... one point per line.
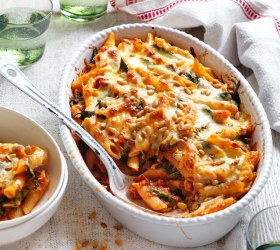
x=70, y=224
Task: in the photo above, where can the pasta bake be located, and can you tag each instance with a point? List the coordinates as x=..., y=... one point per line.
x=169, y=121
x=23, y=180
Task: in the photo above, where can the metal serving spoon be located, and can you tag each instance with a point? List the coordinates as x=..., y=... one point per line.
x=119, y=182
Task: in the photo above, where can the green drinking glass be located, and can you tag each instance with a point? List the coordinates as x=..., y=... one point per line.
x=263, y=231
x=83, y=10
x=23, y=30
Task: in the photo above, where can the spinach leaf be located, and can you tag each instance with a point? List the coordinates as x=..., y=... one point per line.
x=94, y=53
x=235, y=95
x=84, y=114
x=192, y=78
x=123, y=66
x=225, y=96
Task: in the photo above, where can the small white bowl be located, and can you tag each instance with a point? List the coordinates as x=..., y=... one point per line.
x=177, y=232
x=20, y=231
x=17, y=128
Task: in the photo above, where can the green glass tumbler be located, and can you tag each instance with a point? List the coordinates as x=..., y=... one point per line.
x=23, y=30
x=263, y=231
x=83, y=10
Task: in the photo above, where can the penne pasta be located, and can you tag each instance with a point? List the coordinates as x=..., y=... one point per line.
x=23, y=181
x=169, y=121
x=15, y=213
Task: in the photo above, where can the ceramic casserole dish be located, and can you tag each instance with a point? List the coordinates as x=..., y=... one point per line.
x=177, y=232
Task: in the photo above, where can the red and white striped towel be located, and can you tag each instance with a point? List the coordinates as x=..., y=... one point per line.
x=244, y=31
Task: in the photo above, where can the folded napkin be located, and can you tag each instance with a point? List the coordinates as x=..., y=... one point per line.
x=244, y=31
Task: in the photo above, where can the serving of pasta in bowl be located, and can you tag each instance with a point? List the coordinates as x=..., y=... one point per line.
x=179, y=119
x=33, y=176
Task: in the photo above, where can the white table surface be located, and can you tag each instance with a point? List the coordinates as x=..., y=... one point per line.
x=70, y=224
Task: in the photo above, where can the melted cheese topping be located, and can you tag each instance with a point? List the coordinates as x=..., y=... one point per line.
x=158, y=111
x=20, y=173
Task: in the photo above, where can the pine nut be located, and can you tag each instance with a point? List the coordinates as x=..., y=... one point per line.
x=150, y=87
x=134, y=134
x=103, y=125
x=187, y=90
x=155, y=103
x=182, y=206
x=132, y=125
x=139, y=138
x=166, y=133
x=215, y=81
x=172, y=94
x=203, y=91
x=121, y=82
x=143, y=134
x=237, y=116
x=198, y=145
x=141, y=113
x=181, y=124
x=220, y=162
x=215, y=182
x=148, y=129
x=201, y=152
x=147, y=108
x=156, y=126
x=176, y=84
x=162, y=130
x=173, y=141
x=236, y=161
x=180, y=119
x=179, y=113
x=161, y=124
x=180, y=105
x=112, y=130
x=198, y=185
x=142, y=124
x=186, y=126
x=184, y=104
x=217, y=86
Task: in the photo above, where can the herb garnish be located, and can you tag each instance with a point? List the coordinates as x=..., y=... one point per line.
x=171, y=67
x=139, y=105
x=225, y=96
x=125, y=152
x=123, y=66
x=85, y=114
x=192, y=78
x=158, y=48
x=78, y=98
x=235, y=95
x=94, y=53
x=167, y=166
x=33, y=178
x=99, y=104
x=175, y=175
x=164, y=196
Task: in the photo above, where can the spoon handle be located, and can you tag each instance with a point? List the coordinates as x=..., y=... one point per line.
x=14, y=75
